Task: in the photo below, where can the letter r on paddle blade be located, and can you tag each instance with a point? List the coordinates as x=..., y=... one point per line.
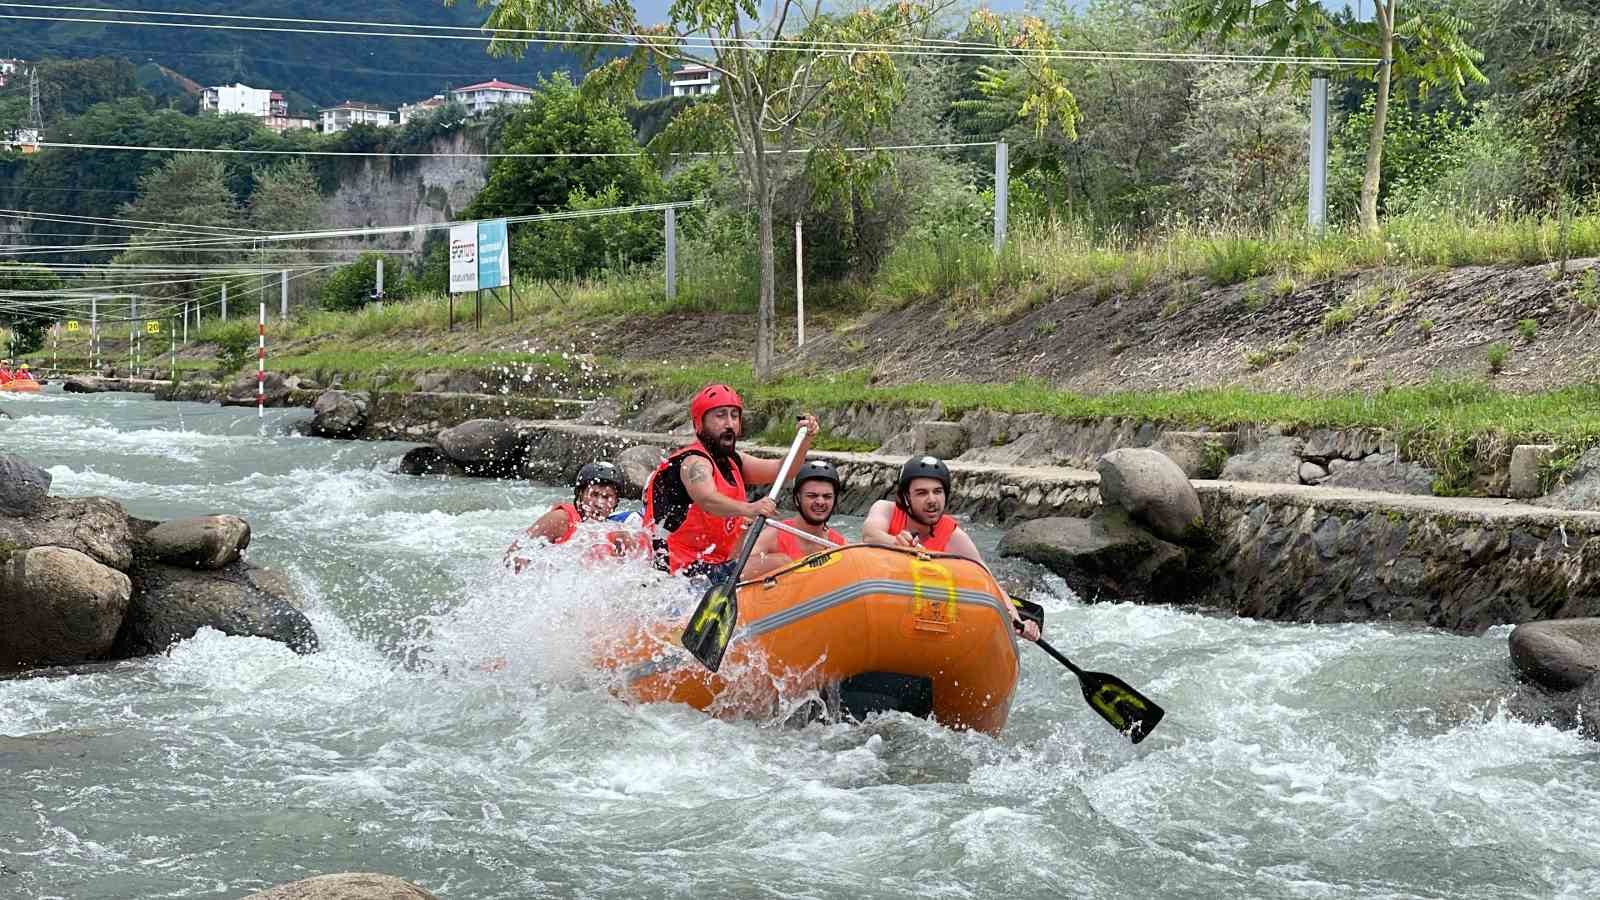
x=711, y=627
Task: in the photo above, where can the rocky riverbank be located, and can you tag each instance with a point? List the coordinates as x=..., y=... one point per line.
x=83, y=581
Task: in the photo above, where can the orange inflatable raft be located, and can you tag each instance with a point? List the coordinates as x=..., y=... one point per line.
x=877, y=628
x=21, y=386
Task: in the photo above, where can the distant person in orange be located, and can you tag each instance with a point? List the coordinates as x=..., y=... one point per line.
x=595, y=495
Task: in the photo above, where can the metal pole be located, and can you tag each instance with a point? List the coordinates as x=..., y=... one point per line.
x=174, y=340
x=261, y=362
x=799, y=288
x=1317, y=203
x=283, y=297
x=133, y=321
x=94, y=331
x=380, y=282
x=185, y=324
x=672, y=252
x=224, y=301
x=1002, y=193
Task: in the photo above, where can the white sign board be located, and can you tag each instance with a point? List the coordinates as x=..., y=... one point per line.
x=464, y=258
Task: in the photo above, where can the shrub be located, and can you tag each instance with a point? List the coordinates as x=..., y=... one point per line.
x=351, y=287
x=1528, y=328
x=1496, y=354
x=235, y=342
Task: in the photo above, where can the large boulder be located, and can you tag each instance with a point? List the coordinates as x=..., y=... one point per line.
x=346, y=886
x=1105, y=556
x=1562, y=653
x=605, y=411
x=1276, y=461
x=275, y=390
x=1575, y=710
x=456, y=383
x=428, y=461
x=23, y=486
x=170, y=604
x=1580, y=485
x=58, y=606
x=1200, y=454
x=636, y=464
x=486, y=446
x=81, y=386
x=1153, y=490
x=94, y=526
x=205, y=542
x=946, y=440
x=1380, y=472
x=339, y=414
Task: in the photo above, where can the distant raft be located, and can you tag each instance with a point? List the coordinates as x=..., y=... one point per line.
x=888, y=628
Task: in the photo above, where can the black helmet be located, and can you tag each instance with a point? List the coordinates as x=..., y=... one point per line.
x=817, y=470
x=598, y=473
x=921, y=467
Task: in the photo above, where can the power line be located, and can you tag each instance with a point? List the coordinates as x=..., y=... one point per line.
x=423, y=31
x=375, y=154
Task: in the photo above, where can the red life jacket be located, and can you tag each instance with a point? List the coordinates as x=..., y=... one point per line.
x=573, y=518
x=795, y=548
x=938, y=541
x=692, y=534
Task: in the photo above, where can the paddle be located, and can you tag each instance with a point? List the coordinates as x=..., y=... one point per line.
x=1128, y=711
x=710, y=628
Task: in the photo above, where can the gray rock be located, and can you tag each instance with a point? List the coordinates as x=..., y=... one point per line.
x=58, y=606
x=94, y=526
x=946, y=440
x=636, y=464
x=1153, y=490
x=1575, y=710
x=1104, y=556
x=454, y=383
x=81, y=386
x=1199, y=454
x=4, y=414
x=23, y=486
x=1580, y=484
x=1560, y=653
x=205, y=542
x=170, y=604
x=662, y=415
x=1311, y=473
x=242, y=392
x=429, y=461
x=485, y=446
x=1383, y=472
x=605, y=411
x=1345, y=443
x=1527, y=462
x=1276, y=461
x=346, y=886
x=339, y=414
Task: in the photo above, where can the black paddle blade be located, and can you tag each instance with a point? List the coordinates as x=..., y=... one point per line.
x=710, y=629
x=1128, y=711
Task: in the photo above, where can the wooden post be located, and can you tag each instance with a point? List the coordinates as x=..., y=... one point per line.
x=799, y=288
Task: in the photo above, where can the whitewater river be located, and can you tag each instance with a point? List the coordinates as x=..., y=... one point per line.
x=1295, y=761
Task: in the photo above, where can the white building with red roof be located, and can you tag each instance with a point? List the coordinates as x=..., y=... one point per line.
x=480, y=98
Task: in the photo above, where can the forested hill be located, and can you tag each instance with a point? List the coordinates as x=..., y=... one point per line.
x=324, y=70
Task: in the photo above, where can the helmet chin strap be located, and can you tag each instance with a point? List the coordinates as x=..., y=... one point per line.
x=815, y=523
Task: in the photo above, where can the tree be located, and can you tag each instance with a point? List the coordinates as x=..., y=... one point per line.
x=27, y=326
x=819, y=90
x=1426, y=49
x=189, y=195
x=1244, y=151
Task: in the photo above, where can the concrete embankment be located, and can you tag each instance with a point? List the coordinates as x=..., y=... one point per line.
x=1277, y=551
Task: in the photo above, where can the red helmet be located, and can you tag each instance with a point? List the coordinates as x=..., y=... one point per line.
x=710, y=397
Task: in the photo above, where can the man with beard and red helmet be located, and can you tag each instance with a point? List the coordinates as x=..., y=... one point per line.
x=816, y=490
x=916, y=518
x=694, y=502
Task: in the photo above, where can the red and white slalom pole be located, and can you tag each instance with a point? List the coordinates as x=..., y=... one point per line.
x=261, y=362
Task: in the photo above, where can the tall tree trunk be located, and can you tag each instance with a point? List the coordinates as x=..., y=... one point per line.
x=764, y=311
x=1380, y=113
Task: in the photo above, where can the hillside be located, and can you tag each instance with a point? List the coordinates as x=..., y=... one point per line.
x=324, y=70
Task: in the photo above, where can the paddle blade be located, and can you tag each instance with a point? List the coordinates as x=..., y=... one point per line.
x=1128, y=711
x=710, y=629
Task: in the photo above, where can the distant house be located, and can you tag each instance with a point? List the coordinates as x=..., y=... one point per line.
x=692, y=80
x=409, y=111
x=480, y=98
x=11, y=68
x=238, y=99
x=24, y=140
x=350, y=113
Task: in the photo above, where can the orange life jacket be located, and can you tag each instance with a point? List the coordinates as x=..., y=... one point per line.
x=795, y=548
x=938, y=541
x=692, y=534
x=573, y=519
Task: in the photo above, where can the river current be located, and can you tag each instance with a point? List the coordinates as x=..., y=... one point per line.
x=1294, y=761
